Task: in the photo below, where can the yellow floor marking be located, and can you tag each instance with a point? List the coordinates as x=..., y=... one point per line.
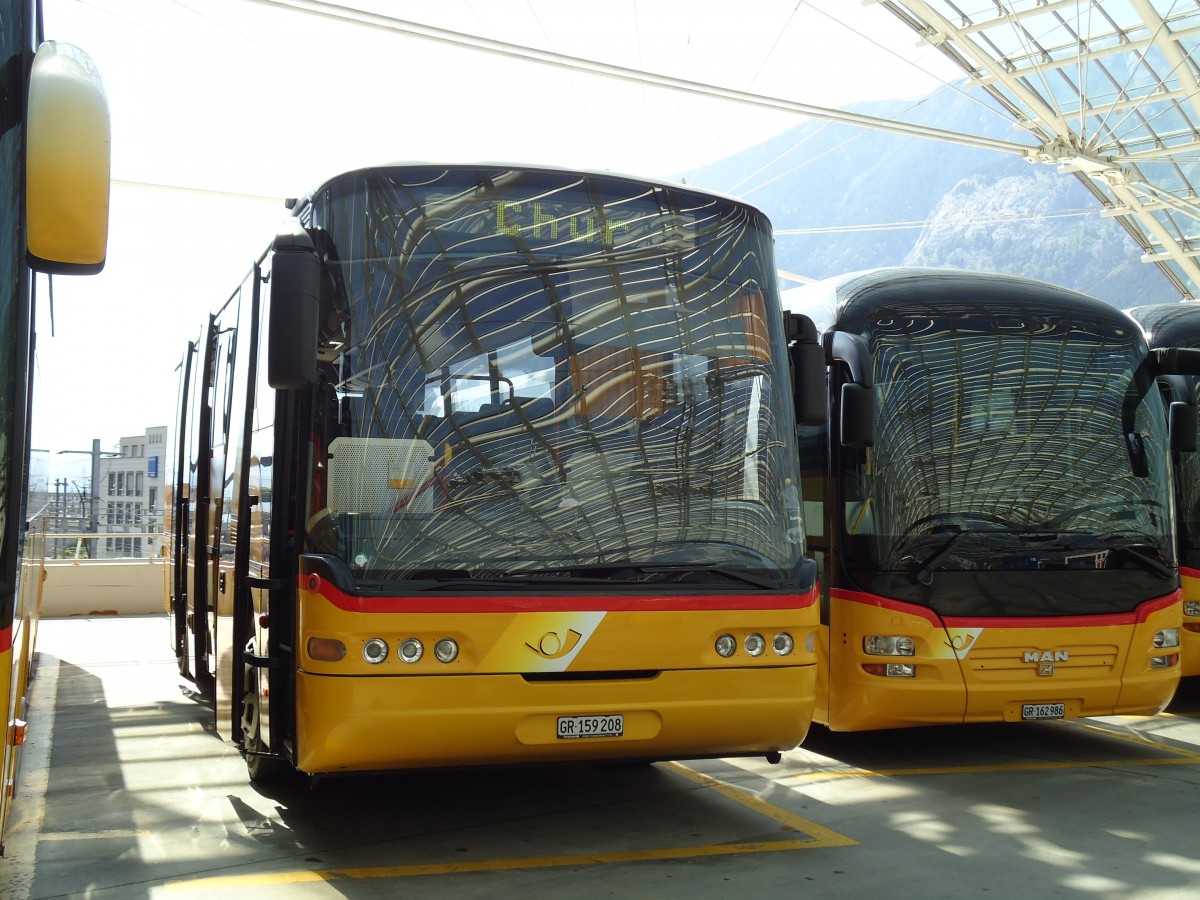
x=1181, y=756
x=991, y=768
x=1139, y=740
x=492, y=865
x=816, y=837
x=821, y=835
x=91, y=835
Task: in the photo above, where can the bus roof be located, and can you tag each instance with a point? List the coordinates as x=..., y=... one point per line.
x=834, y=299
x=296, y=204
x=1170, y=324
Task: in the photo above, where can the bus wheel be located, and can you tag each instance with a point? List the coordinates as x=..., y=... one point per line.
x=262, y=769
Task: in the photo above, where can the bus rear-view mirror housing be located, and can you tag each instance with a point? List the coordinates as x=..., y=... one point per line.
x=858, y=415
x=295, y=305
x=808, y=370
x=1182, y=421
x=68, y=148
x=1171, y=364
x=857, y=407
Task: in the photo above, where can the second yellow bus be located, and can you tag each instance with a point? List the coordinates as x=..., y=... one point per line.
x=993, y=488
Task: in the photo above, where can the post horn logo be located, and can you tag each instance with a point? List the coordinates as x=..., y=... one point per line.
x=551, y=646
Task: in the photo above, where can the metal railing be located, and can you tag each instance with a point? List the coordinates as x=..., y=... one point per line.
x=99, y=546
x=82, y=573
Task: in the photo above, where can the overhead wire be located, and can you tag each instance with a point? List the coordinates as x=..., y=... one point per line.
x=356, y=15
x=342, y=12
x=946, y=86
x=807, y=161
x=1150, y=96
x=549, y=43
x=938, y=223
x=762, y=65
x=318, y=7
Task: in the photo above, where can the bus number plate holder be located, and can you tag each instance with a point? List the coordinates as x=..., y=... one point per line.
x=1043, y=710
x=607, y=726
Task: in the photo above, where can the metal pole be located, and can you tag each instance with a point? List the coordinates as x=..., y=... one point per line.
x=94, y=511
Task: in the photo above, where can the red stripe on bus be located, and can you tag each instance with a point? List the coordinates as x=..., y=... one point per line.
x=565, y=603
x=875, y=600
x=1137, y=616
x=6, y=639
x=1189, y=572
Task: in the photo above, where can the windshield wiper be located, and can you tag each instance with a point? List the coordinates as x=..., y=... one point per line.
x=613, y=574
x=435, y=580
x=924, y=575
x=744, y=575
x=436, y=575
x=1148, y=562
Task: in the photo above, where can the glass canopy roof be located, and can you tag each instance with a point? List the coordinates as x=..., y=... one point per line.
x=1109, y=89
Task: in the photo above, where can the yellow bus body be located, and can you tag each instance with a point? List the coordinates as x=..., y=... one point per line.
x=57, y=115
x=990, y=670
x=16, y=669
x=499, y=702
x=9, y=676
x=1189, y=635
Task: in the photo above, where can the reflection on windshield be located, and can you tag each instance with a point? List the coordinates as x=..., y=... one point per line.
x=998, y=449
x=524, y=386
x=1188, y=480
x=989, y=548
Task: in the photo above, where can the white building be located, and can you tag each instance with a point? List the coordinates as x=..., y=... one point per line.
x=130, y=490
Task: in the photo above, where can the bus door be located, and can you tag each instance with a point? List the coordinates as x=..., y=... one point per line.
x=219, y=533
x=240, y=513
x=181, y=520
x=200, y=512
x=195, y=423
x=813, y=445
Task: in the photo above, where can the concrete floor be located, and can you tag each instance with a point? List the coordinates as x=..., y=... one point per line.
x=125, y=793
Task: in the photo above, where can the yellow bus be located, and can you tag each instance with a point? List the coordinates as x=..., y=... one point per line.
x=993, y=487
x=1178, y=325
x=54, y=153
x=500, y=467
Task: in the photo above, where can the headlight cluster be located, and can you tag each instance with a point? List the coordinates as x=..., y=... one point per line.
x=1165, y=639
x=754, y=644
x=884, y=645
x=890, y=645
x=410, y=650
x=376, y=650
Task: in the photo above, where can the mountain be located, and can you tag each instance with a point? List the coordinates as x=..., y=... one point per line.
x=932, y=203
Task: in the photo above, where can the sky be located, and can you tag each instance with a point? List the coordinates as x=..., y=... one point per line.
x=222, y=108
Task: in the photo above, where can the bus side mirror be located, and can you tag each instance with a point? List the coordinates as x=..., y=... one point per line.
x=808, y=370
x=295, y=305
x=858, y=415
x=1182, y=420
x=67, y=153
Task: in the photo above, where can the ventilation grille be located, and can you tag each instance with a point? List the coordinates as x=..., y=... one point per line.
x=380, y=477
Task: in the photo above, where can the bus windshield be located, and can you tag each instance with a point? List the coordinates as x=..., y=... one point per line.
x=1009, y=441
x=550, y=374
